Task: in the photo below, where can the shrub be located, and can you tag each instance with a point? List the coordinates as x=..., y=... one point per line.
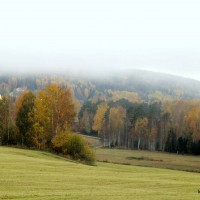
x=78, y=149
x=59, y=140
x=88, y=155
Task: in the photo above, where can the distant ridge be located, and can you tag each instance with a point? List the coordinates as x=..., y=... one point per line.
x=138, y=84
x=147, y=82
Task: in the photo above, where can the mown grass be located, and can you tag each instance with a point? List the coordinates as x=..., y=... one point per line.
x=35, y=175
x=149, y=159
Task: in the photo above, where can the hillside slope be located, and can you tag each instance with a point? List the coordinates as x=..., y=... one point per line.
x=36, y=175
x=134, y=85
x=147, y=84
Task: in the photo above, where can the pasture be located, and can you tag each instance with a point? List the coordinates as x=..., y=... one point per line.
x=149, y=159
x=37, y=175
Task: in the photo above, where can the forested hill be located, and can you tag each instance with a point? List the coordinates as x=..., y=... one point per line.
x=151, y=84
x=134, y=85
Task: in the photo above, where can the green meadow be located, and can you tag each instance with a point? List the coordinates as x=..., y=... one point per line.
x=37, y=175
x=149, y=159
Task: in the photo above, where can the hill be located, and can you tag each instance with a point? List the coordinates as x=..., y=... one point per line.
x=134, y=85
x=37, y=175
x=149, y=85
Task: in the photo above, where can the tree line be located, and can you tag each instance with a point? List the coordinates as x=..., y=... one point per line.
x=43, y=121
x=46, y=121
x=173, y=126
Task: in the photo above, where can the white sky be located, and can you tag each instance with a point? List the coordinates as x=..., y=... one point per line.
x=158, y=35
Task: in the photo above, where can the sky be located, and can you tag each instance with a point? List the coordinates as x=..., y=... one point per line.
x=100, y=36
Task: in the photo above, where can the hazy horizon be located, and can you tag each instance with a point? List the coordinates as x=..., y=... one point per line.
x=100, y=36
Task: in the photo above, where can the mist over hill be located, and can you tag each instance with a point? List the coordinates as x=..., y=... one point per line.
x=146, y=83
x=134, y=85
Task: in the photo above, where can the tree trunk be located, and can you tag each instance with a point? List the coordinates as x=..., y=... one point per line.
x=139, y=143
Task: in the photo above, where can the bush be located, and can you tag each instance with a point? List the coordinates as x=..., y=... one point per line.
x=88, y=155
x=78, y=149
x=59, y=141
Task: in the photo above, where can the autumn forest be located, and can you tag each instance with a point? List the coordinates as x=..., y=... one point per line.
x=127, y=111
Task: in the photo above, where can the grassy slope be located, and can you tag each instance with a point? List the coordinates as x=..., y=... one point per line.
x=150, y=159
x=37, y=175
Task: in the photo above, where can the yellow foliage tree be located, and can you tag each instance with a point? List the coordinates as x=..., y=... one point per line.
x=54, y=110
x=141, y=126
x=99, y=120
x=116, y=124
x=99, y=117
x=192, y=122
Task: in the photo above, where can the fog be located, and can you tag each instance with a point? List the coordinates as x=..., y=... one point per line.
x=100, y=36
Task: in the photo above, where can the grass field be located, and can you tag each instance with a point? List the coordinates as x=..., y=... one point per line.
x=145, y=158
x=149, y=159
x=34, y=175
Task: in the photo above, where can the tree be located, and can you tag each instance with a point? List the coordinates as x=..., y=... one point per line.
x=152, y=138
x=116, y=124
x=165, y=125
x=170, y=145
x=4, y=118
x=99, y=121
x=85, y=123
x=141, y=126
x=24, y=118
x=192, y=122
x=8, y=129
x=54, y=110
x=86, y=117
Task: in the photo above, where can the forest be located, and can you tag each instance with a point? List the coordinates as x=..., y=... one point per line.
x=39, y=111
x=43, y=121
x=170, y=126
